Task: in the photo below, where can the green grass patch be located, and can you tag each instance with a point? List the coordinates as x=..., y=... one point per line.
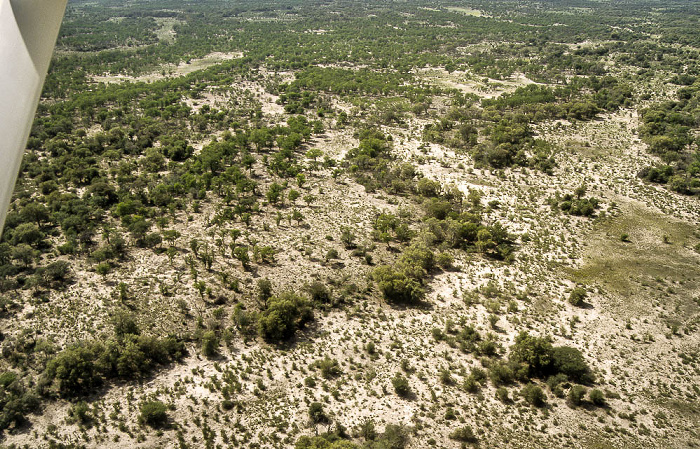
x=641, y=254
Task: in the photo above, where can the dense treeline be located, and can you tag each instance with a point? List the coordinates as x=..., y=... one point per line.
x=670, y=130
x=302, y=35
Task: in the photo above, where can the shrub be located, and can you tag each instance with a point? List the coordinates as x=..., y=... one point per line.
x=80, y=412
x=394, y=437
x=331, y=254
x=471, y=385
x=124, y=324
x=502, y=394
x=570, y=361
x=445, y=261
x=319, y=292
x=464, y=434
x=283, y=316
x=597, y=397
x=264, y=290
x=210, y=344
x=367, y=429
x=16, y=401
x=501, y=373
x=329, y=367
x=553, y=383
x=326, y=441
x=576, y=394
x=533, y=395
x=153, y=413
x=577, y=296
x=445, y=377
x=401, y=386
x=317, y=414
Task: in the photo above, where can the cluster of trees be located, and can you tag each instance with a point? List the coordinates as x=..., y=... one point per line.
x=348, y=82
x=529, y=358
x=447, y=222
x=17, y=400
x=575, y=203
x=280, y=315
x=107, y=32
x=499, y=133
x=362, y=37
x=581, y=98
x=81, y=368
x=670, y=130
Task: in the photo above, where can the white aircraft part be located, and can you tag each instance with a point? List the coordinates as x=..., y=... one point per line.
x=28, y=32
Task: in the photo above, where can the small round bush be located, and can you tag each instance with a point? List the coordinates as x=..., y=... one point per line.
x=596, y=397
x=576, y=395
x=401, y=386
x=533, y=395
x=502, y=394
x=153, y=413
x=577, y=296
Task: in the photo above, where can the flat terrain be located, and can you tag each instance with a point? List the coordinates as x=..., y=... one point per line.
x=229, y=171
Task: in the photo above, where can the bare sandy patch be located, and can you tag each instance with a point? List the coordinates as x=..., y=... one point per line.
x=170, y=70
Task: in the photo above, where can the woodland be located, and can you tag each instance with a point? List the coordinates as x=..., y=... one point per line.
x=338, y=224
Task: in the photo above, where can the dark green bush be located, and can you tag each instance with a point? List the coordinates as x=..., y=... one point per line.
x=401, y=386
x=16, y=401
x=570, y=361
x=80, y=369
x=501, y=373
x=534, y=352
x=397, y=287
x=576, y=395
x=317, y=414
x=533, y=395
x=502, y=394
x=283, y=315
x=577, y=296
x=210, y=344
x=464, y=434
x=597, y=397
x=153, y=413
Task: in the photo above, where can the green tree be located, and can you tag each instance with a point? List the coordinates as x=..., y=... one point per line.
x=534, y=352
x=596, y=397
x=576, y=395
x=283, y=315
x=274, y=193
x=317, y=414
x=210, y=344
x=577, y=296
x=533, y=395
x=153, y=413
x=570, y=361
x=396, y=286
x=401, y=386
